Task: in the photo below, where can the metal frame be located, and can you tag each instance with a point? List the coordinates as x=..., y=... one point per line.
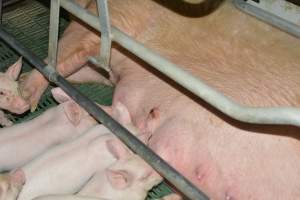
x=289, y=116
x=53, y=32
x=269, y=17
x=105, y=34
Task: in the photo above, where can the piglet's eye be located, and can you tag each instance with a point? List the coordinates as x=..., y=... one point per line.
x=1, y=93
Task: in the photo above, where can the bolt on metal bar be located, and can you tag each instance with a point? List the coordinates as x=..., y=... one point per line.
x=257, y=115
x=53, y=32
x=105, y=34
x=268, y=17
x=179, y=181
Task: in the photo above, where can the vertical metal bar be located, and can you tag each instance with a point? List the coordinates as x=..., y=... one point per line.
x=53, y=32
x=1, y=4
x=105, y=46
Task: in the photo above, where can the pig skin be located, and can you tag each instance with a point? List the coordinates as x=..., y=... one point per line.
x=249, y=61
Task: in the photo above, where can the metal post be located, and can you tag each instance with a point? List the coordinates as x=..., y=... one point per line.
x=1, y=9
x=283, y=115
x=53, y=32
x=179, y=181
x=105, y=34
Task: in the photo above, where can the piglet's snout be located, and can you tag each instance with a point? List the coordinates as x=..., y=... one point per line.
x=19, y=105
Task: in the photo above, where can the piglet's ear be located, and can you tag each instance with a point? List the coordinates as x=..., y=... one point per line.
x=121, y=114
x=59, y=95
x=17, y=177
x=73, y=112
x=117, y=148
x=14, y=70
x=119, y=179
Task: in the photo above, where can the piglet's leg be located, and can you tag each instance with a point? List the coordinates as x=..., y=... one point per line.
x=34, y=84
x=74, y=48
x=4, y=121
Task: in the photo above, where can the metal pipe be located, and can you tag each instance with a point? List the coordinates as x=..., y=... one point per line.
x=283, y=115
x=268, y=17
x=53, y=32
x=1, y=10
x=180, y=182
x=105, y=34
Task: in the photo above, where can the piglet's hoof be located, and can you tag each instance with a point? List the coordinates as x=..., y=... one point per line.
x=4, y=121
x=11, y=184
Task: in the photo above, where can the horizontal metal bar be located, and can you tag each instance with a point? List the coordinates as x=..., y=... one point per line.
x=268, y=17
x=180, y=182
x=9, y=2
x=283, y=115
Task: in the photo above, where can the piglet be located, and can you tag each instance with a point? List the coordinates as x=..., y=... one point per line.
x=128, y=178
x=22, y=142
x=10, y=98
x=65, y=168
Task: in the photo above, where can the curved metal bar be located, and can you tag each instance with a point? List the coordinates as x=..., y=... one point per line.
x=283, y=115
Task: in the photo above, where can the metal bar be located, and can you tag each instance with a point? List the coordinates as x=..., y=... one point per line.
x=283, y=115
x=268, y=17
x=180, y=182
x=9, y=2
x=1, y=10
x=105, y=34
x=53, y=32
